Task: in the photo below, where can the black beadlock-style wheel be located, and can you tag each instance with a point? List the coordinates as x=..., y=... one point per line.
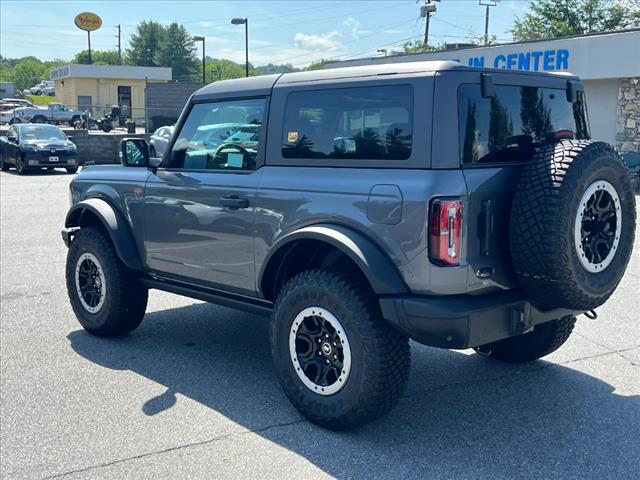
x=543, y=340
x=337, y=359
x=572, y=224
x=107, y=298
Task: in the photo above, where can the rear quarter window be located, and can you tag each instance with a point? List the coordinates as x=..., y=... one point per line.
x=365, y=123
x=510, y=125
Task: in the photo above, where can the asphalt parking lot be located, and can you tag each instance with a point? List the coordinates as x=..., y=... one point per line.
x=191, y=394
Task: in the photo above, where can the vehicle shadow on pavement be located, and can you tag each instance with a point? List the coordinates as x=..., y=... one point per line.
x=462, y=416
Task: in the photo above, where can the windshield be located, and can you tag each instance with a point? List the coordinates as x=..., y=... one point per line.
x=41, y=132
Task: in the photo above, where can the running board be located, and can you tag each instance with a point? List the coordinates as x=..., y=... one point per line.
x=219, y=297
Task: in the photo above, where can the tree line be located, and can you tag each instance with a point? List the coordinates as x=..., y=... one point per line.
x=156, y=45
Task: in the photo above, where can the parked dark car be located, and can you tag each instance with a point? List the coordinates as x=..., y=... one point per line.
x=358, y=208
x=33, y=147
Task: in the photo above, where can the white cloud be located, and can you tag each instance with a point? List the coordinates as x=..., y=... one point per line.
x=328, y=41
x=205, y=24
x=393, y=32
x=353, y=28
x=261, y=43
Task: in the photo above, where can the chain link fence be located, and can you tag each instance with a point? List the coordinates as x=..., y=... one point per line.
x=93, y=118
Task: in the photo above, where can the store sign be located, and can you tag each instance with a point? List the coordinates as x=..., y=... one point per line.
x=88, y=21
x=61, y=72
x=532, y=61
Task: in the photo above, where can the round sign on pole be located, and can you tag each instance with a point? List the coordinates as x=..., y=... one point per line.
x=88, y=21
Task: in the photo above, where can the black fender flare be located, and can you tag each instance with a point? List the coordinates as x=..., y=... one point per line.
x=382, y=274
x=115, y=225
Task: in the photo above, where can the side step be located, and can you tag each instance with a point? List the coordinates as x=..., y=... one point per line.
x=233, y=300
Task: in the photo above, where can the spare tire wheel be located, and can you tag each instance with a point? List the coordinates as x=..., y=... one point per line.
x=572, y=224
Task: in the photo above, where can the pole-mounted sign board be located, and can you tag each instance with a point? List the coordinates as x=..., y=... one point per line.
x=88, y=21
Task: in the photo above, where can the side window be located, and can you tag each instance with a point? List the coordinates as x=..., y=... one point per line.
x=510, y=125
x=374, y=123
x=220, y=136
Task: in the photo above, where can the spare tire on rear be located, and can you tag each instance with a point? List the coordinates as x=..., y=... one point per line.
x=572, y=224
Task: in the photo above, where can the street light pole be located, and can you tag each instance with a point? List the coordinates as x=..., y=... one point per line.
x=201, y=39
x=245, y=22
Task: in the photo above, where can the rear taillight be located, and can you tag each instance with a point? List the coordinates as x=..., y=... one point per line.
x=445, y=231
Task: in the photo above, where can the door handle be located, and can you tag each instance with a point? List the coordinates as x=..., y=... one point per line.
x=234, y=201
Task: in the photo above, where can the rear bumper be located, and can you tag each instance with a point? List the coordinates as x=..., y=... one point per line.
x=464, y=321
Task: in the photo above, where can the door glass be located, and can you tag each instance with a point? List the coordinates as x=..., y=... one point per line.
x=220, y=136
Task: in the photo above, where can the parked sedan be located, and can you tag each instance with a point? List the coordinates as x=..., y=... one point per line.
x=160, y=140
x=32, y=147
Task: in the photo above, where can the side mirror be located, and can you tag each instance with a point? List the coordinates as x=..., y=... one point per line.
x=134, y=152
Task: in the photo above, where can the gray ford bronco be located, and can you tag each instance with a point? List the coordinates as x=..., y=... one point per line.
x=360, y=208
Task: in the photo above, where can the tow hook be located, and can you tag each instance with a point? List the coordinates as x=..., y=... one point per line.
x=591, y=315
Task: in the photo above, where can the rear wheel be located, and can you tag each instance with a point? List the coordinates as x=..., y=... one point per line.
x=38, y=119
x=107, y=298
x=337, y=359
x=545, y=339
x=4, y=166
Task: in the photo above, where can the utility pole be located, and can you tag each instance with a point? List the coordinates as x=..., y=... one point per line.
x=487, y=4
x=119, y=44
x=425, y=11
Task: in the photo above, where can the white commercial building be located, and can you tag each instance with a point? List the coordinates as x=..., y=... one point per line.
x=608, y=64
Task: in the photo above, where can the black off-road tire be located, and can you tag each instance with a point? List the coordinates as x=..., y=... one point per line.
x=544, y=211
x=71, y=169
x=125, y=298
x=39, y=119
x=545, y=339
x=380, y=354
x=4, y=166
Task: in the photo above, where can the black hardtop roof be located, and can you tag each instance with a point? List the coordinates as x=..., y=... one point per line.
x=263, y=84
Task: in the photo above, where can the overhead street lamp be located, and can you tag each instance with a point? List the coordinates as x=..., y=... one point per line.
x=245, y=22
x=199, y=38
x=487, y=3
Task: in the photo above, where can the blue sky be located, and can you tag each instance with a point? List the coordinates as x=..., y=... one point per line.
x=295, y=32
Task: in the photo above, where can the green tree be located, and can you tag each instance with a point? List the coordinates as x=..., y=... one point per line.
x=28, y=73
x=223, y=69
x=98, y=57
x=178, y=51
x=319, y=64
x=144, y=44
x=560, y=18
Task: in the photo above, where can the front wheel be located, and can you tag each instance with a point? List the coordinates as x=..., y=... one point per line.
x=339, y=362
x=72, y=169
x=107, y=298
x=543, y=340
x=20, y=166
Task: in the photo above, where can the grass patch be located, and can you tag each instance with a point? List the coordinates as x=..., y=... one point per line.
x=41, y=99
